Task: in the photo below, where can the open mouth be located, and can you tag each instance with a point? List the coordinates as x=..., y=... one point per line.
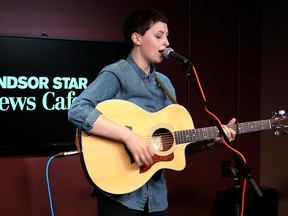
x=161, y=52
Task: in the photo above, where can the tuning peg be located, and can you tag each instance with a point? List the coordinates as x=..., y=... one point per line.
x=279, y=113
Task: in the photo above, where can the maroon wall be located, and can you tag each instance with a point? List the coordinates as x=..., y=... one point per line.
x=209, y=33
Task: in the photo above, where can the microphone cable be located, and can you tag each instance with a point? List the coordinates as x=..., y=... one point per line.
x=226, y=140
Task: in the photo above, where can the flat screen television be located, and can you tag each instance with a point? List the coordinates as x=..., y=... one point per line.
x=39, y=78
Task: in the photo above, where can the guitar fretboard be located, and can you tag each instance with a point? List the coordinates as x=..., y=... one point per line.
x=194, y=135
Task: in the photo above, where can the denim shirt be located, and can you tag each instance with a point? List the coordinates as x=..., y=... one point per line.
x=125, y=80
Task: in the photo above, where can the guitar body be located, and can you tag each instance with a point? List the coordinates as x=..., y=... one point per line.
x=110, y=166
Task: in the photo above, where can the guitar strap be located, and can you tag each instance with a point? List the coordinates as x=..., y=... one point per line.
x=165, y=89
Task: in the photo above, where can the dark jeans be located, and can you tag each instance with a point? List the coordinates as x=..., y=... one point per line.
x=108, y=207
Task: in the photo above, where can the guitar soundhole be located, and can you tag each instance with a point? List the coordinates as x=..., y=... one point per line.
x=162, y=139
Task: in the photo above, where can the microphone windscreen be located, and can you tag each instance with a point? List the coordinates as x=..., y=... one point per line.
x=167, y=52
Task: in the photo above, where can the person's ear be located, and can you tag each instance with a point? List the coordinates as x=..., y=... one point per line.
x=136, y=38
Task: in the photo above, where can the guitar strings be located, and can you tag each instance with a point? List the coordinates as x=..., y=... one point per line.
x=168, y=138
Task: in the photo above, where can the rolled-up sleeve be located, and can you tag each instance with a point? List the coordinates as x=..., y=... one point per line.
x=82, y=112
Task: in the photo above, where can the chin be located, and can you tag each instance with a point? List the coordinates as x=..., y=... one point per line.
x=158, y=61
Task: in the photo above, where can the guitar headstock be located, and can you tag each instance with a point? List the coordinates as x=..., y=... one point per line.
x=279, y=122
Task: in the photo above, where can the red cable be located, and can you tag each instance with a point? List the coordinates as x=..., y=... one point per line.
x=224, y=142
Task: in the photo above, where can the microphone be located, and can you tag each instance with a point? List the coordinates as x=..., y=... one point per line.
x=170, y=54
x=68, y=153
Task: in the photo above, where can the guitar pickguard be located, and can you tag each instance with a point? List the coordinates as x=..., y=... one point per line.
x=156, y=159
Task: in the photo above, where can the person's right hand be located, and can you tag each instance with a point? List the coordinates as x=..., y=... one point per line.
x=141, y=150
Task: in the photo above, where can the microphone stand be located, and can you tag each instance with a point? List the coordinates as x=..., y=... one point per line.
x=240, y=168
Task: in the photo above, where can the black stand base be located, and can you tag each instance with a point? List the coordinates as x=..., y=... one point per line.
x=224, y=204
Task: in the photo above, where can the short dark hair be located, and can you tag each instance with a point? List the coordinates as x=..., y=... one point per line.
x=140, y=21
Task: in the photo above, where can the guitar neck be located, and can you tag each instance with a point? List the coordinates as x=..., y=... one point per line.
x=194, y=135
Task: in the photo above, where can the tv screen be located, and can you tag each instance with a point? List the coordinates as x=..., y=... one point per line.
x=39, y=78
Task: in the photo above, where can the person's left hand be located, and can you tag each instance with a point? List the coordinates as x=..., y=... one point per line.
x=230, y=133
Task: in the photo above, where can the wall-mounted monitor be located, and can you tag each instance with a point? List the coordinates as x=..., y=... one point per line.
x=39, y=78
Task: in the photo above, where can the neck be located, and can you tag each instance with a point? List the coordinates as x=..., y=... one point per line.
x=141, y=63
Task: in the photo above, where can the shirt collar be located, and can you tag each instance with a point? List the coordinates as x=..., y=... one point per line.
x=138, y=70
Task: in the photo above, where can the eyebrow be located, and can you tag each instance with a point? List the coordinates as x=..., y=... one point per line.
x=162, y=32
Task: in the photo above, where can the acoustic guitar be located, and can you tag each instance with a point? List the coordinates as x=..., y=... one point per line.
x=110, y=166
